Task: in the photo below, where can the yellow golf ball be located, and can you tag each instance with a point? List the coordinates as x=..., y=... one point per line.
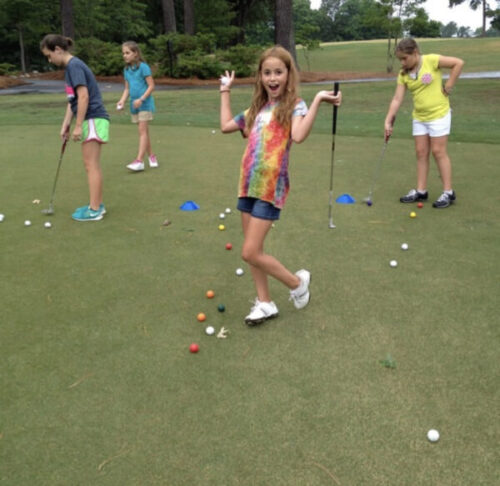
x=222, y=227
x=413, y=214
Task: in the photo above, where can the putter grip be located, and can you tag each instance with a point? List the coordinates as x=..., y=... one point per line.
x=335, y=108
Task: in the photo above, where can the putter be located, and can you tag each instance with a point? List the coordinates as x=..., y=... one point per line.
x=334, y=130
x=376, y=173
x=50, y=209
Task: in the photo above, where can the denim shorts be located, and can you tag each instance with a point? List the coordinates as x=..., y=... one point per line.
x=258, y=209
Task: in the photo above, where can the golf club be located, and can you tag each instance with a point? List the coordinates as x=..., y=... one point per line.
x=50, y=209
x=334, y=130
x=376, y=173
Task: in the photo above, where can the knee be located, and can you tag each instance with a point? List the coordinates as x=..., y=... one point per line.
x=249, y=255
x=439, y=154
x=422, y=154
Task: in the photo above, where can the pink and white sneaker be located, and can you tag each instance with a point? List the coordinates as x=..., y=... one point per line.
x=136, y=165
x=153, y=161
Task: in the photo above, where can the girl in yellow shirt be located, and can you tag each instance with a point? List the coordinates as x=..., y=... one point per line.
x=421, y=74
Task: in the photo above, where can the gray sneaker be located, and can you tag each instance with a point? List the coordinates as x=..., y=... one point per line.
x=260, y=312
x=301, y=295
x=444, y=200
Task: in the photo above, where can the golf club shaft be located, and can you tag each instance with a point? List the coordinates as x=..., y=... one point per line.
x=63, y=148
x=376, y=172
x=334, y=131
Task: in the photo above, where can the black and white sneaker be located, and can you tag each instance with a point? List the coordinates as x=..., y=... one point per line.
x=414, y=196
x=444, y=200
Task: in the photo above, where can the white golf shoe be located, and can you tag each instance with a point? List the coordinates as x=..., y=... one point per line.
x=301, y=296
x=260, y=312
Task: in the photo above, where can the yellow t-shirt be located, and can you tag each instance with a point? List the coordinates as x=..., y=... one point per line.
x=429, y=101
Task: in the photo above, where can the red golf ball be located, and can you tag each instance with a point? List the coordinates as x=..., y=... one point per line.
x=228, y=246
x=420, y=205
x=194, y=348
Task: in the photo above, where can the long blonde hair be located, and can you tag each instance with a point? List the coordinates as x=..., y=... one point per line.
x=288, y=100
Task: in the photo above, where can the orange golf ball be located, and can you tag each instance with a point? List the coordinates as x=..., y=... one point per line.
x=210, y=294
x=201, y=317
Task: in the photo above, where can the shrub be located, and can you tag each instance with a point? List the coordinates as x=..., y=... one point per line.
x=103, y=58
x=7, y=68
x=241, y=59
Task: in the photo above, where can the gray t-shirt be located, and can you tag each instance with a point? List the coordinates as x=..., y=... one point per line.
x=77, y=73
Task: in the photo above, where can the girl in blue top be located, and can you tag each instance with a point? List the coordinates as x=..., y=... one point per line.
x=140, y=85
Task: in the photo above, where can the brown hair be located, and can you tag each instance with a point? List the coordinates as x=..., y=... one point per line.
x=407, y=46
x=289, y=98
x=51, y=41
x=134, y=47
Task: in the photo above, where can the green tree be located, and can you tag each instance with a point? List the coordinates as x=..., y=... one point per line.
x=22, y=24
x=306, y=28
x=449, y=30
x=111, y=20
x=474, y=5
x=421, y=26
x=397, y=11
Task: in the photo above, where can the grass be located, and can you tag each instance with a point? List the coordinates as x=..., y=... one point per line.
x=371, y=56
x=98, y=386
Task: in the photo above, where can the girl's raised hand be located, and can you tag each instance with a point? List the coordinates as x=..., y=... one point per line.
x=330, y=97
x=226, y=80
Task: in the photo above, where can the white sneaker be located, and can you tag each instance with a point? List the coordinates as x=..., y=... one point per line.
x=136, y=166
x=260, y=312
x=153, y=161
x=301, y=295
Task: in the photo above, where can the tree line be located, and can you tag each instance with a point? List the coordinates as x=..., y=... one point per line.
x=218, y=25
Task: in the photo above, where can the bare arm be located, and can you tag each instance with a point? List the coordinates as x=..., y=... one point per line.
x=68, y=116
x=151, y=86
x=227, y=124
x=124, y=96
x=302, y=125
x=455, y=64
x=393, y=110
x=83, y=104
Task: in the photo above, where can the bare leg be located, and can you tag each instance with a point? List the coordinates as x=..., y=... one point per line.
x=91, y=152
x=439, y=146
x=144, y=141
x=255, y=231
x=422, y=149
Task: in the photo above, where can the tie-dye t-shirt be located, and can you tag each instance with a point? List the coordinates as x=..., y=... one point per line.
x=264, y=167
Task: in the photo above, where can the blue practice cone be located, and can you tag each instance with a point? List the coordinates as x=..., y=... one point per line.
x=189, y=206
x=345, y=199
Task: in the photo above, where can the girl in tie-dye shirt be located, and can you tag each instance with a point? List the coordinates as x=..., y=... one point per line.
x=276, y=118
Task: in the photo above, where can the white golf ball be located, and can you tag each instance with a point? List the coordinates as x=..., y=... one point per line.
x=239, y=272
x=27, y=223
x=224, y=80
x=1, y=217
x=213, y=132
x=393, y=263
x=228, y=210
x=222, y=216
x=433, y=435
x=119, y=106
x=47, y=224
x=209, y=330
x=404, y=246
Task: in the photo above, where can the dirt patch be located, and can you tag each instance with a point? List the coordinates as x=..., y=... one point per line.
x=8, y=82
x=305, y=77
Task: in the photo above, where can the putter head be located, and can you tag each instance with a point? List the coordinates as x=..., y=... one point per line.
x=331, y=225
x=49, y=210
